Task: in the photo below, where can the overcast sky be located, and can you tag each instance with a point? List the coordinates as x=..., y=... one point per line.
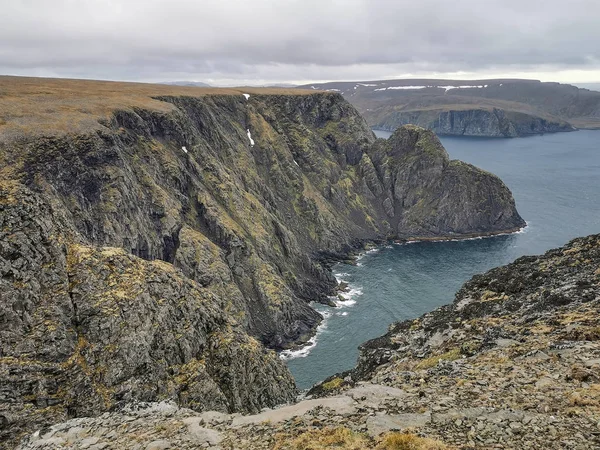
x=228, y=42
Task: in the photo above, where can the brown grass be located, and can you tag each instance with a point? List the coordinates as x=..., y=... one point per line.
x=343, y=438
x=48, y=106
x=405, y=441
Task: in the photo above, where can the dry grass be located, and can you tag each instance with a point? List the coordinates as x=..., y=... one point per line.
x=323, y=439
x=405, y=441
x=47, y=106
x=343, y=438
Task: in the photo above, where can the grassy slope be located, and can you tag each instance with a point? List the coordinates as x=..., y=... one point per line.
x=48, y=106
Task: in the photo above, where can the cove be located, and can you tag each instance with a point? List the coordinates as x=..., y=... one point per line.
x=555, y=179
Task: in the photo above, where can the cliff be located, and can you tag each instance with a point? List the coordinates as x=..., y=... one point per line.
x=514, y=362
x=470, y=122
x=494, y=107
x=155, y=238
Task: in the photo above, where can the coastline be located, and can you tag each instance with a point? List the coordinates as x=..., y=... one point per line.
x=302, y=349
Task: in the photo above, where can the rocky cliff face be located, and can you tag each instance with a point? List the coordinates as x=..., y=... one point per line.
x=473, y=122
x=153, y=249
x=427, y=195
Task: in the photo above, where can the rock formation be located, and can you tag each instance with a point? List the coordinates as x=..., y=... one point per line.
x=480, y=122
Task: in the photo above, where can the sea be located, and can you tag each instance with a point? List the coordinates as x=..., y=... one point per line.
x=555, y=179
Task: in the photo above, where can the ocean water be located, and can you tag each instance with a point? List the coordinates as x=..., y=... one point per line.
x=555, y=179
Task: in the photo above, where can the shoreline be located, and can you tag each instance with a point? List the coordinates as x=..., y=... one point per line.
x=461, y=237
x=303, y=349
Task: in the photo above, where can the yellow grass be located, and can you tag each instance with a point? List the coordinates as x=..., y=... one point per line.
x=48, y=106
x=344, y=438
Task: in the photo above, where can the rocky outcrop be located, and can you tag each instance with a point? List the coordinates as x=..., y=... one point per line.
x=426, y=195
x=153, y=251
x=87, y=328
x=474, y=122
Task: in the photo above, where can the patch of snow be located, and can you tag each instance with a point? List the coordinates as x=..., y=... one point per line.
x=401, y=87
x=500, y=84
x=368, y=85
x=296, y=162
x=447, y=88
x=312, y=87
x=250, y=138
x=184, y=149
x=247, y=96
x=334, y=90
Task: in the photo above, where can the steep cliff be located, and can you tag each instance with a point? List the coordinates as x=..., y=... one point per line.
x=470, y=122
x=149, y=231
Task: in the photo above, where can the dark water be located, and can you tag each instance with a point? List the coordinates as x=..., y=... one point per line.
x=555, y=179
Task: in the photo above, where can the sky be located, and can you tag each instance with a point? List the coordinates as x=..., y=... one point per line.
x=241, y=42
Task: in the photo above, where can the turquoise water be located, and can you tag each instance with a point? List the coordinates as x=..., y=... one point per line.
x=555, y=179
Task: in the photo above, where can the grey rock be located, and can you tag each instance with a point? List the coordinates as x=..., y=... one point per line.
x=382, y=423
x=159, y=445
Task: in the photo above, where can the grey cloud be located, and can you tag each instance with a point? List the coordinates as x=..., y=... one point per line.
x=290, y=39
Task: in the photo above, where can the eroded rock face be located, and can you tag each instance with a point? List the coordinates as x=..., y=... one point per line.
x=494, y=122
x=87, y=328
x=428, y=195
x=153, y=257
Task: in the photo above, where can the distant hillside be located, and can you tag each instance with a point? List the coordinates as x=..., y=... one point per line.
x=187, y=83
x=496, y=107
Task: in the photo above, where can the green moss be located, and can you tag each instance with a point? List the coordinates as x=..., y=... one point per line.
x=332, y=384
x=432, y=361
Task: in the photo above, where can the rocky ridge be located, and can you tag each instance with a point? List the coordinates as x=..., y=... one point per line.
x=480, y=122
x=514, y=362
x=493, y=107
x=155, y=239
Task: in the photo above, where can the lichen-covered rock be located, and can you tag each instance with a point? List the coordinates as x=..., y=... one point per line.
x=86, y=328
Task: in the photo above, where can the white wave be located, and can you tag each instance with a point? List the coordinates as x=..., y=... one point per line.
x=341, y=277
x=348, y=300
x=475, y=238
x=303, y=351
x=348, y=297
